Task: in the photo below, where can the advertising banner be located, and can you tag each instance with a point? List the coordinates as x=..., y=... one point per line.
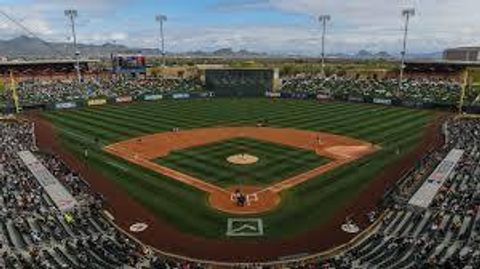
x=124, y=99
x=206, y=94
x=382, y=101
x=96, y=102
x=180, y=95
x=323, y=96
x=153, y=97
x=285, y=94
x=273, y=94
x=355, y=99
x=66, y=105
x=299, y=95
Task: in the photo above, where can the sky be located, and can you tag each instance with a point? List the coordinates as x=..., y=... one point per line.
x=272, y=26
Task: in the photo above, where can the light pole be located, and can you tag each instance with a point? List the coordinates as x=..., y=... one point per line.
x=407, y=13
x=72, y=14
x=162, y=18
x=323, y=19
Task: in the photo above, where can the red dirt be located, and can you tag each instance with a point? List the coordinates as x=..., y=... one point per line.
x=167, y=238
x=259, y=200
x=143, y=150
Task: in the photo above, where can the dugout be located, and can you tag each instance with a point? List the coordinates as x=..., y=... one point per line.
x=240, y=82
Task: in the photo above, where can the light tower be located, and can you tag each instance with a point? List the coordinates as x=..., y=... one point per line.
x=407, y=13
x=72, y=14
x=161, y=18
x=323, y=19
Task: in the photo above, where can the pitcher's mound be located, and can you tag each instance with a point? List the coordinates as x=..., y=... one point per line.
x=242, y=159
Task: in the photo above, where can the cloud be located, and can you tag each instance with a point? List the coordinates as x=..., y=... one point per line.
x=240, y=5
x=29, y=18
x=278, y=25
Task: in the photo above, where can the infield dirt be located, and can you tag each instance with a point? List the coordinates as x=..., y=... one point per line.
x=162, y=235
x=339, y=149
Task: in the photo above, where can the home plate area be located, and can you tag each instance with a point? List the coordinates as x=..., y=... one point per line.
x=242, y=199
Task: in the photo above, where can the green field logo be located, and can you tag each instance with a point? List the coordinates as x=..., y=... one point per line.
x=245, y=227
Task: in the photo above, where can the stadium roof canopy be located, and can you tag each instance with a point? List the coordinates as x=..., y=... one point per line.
x=439, y=65
x=44, y=67
x=465, y=48
x=46, y=62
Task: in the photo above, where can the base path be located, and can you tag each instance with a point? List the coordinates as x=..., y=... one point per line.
x=339, y=149
x=162, y=235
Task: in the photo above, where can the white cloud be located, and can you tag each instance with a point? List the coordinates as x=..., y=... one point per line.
x=356, y=24
x=29, y=18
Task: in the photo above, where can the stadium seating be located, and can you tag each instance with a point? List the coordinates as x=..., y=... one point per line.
x=414, y=91
x=34, y=92
x=34, y=234
x=445, y=235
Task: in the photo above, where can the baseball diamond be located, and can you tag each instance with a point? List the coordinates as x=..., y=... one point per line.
x=170, y=195
x=340, y=150
x=239, y=134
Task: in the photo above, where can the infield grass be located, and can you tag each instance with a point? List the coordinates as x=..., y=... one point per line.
x=276, y=162
x=303, y=207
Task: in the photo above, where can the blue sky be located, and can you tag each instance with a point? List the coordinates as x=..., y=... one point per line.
x=275, y=26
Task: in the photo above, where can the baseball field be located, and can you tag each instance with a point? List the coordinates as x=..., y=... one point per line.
x=393, y=132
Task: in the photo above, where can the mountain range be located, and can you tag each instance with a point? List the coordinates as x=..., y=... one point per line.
x=25, y=47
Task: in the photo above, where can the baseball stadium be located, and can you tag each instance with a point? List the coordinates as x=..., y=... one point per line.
x=145, y=161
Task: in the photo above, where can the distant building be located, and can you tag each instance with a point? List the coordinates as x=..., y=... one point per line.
x=468, y=54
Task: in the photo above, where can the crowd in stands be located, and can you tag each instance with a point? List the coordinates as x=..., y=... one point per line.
x=419, y=90
x=444, y=235
x=35, y=234
x=44, y=92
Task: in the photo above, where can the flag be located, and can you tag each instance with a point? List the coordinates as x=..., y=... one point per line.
x=13, y=87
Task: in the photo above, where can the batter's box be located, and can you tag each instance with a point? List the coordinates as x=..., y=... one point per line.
x=245, y=227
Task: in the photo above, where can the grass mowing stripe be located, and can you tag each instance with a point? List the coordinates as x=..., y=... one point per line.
x=211, y=165
x=314, y=201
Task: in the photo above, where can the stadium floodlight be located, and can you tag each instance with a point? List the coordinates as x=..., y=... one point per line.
x=407, y=13
x=72, y=14
x=161, y=18
x=323, y=19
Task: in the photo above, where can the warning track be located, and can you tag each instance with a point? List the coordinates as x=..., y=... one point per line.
x=164, y=236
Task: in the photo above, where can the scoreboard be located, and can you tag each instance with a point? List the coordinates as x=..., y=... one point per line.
x=129, y=64
x=233, y=82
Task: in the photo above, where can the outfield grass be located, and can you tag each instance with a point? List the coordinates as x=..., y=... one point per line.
x=302, y=208
x=276, y=162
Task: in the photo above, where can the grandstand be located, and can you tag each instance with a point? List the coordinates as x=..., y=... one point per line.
x=340, y=163
x=46, y=69
x=464, y=54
